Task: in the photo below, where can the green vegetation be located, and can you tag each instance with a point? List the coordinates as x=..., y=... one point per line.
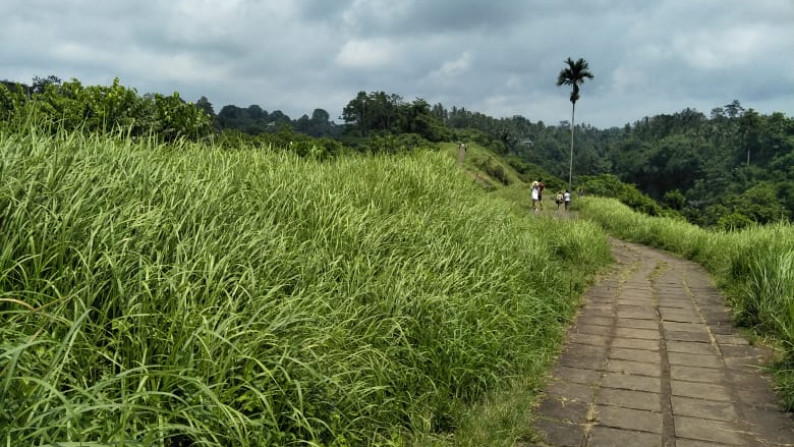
x=172, y=277
x=54, y=105
x=610, y=186
x=755, y=266
x=184, y=294
x=726, y=170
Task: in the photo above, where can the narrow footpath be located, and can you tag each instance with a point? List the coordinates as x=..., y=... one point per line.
x=654, y=360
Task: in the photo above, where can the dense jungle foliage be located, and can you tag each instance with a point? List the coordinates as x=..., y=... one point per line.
x=730, y=169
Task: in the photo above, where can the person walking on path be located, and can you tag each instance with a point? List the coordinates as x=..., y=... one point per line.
x=535, y=191
x=541, y=187
x=461, y=153
x=558, y=199
x=567, y=199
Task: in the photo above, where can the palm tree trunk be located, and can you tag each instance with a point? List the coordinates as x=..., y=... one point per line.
x=570, y=169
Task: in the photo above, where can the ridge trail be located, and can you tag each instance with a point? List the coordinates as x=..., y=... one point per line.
x=654, y=360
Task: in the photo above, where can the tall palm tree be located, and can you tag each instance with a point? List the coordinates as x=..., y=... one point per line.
x=574, y=75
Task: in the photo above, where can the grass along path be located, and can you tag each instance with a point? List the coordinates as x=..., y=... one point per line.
x=188, y=296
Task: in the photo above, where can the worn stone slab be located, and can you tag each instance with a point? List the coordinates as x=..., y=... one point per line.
x=744, y=365
x=730, y=339
x=694, y=443
x=645, y=334
x=612, y=437
x=559, y=434
x=634, y=368
x=687, y=336
x=563, y=409
x=770, y=426
x=601, y=292
x=601, y=299
x=695, y=374
x=758, y=399
x=739, y=351
x=637, y=324
x=721, y=317
x=600, y=307
x=588, y=329
x=681, y=316
x=577, y=375
x=601, y=321
x=579, y=349
x=635, y=301
x=627, y=382
x=705, y=409
x=685, y=327
x=629, y=419
x=670, y=286
x=722, y=328
x=691, y=347
x=638, y=314
x=674, y=298
x=587, y=313
x=635, y=355
x=700, y=390
x=706, y=430
x=595, y=363
x=638, y=400
x=760, y=382
x=587, y=339
x=574, y=391
x=700, y=360
x=635, y=343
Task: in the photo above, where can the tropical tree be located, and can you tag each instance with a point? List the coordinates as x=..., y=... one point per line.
x=574, y=74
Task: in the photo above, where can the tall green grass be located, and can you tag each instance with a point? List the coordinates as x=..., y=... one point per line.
x=184, y=295
x=755, y=266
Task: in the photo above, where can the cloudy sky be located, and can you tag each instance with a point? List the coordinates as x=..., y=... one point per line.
x=499, y=57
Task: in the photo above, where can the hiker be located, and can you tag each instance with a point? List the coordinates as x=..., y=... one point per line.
x=567, y=199
x=541, y=187
x=535, y=195
x=461, y=153
x=558, y=199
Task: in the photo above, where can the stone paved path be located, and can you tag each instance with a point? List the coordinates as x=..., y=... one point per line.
x=653, y=360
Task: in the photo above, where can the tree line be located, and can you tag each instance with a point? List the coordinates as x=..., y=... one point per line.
x=728, y=169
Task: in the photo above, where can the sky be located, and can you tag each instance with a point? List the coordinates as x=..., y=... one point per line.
x=497, y=57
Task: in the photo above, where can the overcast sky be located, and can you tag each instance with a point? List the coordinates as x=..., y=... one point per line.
x=498, y=57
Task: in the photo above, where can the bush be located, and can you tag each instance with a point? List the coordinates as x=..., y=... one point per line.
x=607, y=185
x=71, y=106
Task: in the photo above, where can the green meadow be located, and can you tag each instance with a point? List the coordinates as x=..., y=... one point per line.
x=186, y=295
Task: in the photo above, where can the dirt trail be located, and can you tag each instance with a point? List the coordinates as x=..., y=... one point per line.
x=654, y=360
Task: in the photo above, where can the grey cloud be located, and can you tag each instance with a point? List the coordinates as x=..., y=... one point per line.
x=500, y=58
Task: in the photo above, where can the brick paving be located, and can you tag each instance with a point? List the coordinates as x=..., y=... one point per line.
x=654, y=360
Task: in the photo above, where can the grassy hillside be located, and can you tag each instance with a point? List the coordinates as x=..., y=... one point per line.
x=189, y=296
x=495, y=171
x=755, y=266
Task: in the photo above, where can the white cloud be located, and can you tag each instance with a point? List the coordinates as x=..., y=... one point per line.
x=721, y=49
x=627, y=79
x=453, y=68
x=369, y=54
